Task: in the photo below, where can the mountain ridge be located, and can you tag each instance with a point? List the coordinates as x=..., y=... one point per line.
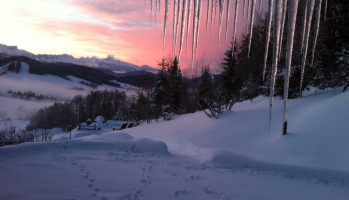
x=109, y=62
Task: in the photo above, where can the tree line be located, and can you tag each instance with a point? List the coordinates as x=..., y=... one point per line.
x=239, y=78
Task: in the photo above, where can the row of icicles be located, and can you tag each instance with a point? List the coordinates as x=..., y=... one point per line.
x=183, y=10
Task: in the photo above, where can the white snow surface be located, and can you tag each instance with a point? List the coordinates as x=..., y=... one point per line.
x=194, y=157
x=52, y=85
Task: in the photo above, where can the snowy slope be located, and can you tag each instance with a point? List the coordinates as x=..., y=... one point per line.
x=49, y=84
x=194, y=157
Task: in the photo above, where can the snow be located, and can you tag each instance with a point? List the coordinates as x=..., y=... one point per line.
x=194, y=157
x=51, y=85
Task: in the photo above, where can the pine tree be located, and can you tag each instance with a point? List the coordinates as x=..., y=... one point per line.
x=230, y=84
x=176, y=87
x=206, y=89
x=160, y=89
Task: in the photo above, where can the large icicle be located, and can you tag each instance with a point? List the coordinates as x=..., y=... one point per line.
x=188, y=24
x=184, y=17
x=179, y=6
x=208, y=15
x=325, y=10
x=221, y=12
x=316, y=31
x=227, y=20
x=267, y=41
x=310, y=6
x=284, y=10
x=151, y=10
x=174, y=25
x=235, y=24
x=167, y=9
x=291, y=24
x=198, y=27
x=212, y=15
x=277, y=27
x=215, y=13
x=260, y=4
x=305, y=14
x=251, y=27
x=195, y=21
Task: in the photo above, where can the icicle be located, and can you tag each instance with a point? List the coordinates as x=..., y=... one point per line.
x=208, y=15
x=151, y=11
x=310, y=6
x=178, y=21
x=235, y=23
x=248, y=12
x=215, y=13
x=167, y=9
x=251, y=27
x=284, y=10
x=316, y=31
x=325, y=10
x=198, y=28
x=277, y=22
x=212, y=14
x=188, y=24
x=227, y=21
x=243, y=10
x=305, y=13
x=184, y=16
x=260, y=4
x=195, y=21
x=156, y=10
x=291, y=24
x=221, y=12
x=270, y=19
x=174, y=26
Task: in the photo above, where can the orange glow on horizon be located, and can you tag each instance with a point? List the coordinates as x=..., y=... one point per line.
x=118, y=28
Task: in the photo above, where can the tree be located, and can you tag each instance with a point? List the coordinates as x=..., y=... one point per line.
x=176, y=87
x=160, y=89
x=230, y=83
x=206, y=94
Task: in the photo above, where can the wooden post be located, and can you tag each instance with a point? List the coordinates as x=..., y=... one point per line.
x=284, y=131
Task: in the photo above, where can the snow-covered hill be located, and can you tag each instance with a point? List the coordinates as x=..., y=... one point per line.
x=109, y=62
x=194, y=157
x=51, y=85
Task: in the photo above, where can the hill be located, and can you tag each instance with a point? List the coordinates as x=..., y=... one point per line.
x=194, y=157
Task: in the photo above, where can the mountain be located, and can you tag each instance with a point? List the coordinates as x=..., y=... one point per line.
x=109, y=62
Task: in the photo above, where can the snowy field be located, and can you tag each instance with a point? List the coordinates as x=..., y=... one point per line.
x=194, y=157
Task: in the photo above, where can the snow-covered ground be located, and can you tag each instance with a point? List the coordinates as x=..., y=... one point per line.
x=194, y=157
x=16, y=112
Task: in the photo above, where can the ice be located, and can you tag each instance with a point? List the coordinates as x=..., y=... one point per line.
x=316, y=29
x=227, y=20
x=277, y=27
x=235, y=24
x=309, y=17
x=221, y=12
x=267, y=41
x=184, y=16
x=167, y=10
x=251, y=27
x=291, y=24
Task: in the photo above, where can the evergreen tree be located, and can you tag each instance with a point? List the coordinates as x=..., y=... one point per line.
x=160, y=89
x=230, y=84
x=176, y=87
x=206, y=89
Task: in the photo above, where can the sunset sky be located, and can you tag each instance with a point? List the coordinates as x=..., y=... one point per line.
x=100, y=28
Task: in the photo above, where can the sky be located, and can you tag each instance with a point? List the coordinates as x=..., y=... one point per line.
x=123, y=29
